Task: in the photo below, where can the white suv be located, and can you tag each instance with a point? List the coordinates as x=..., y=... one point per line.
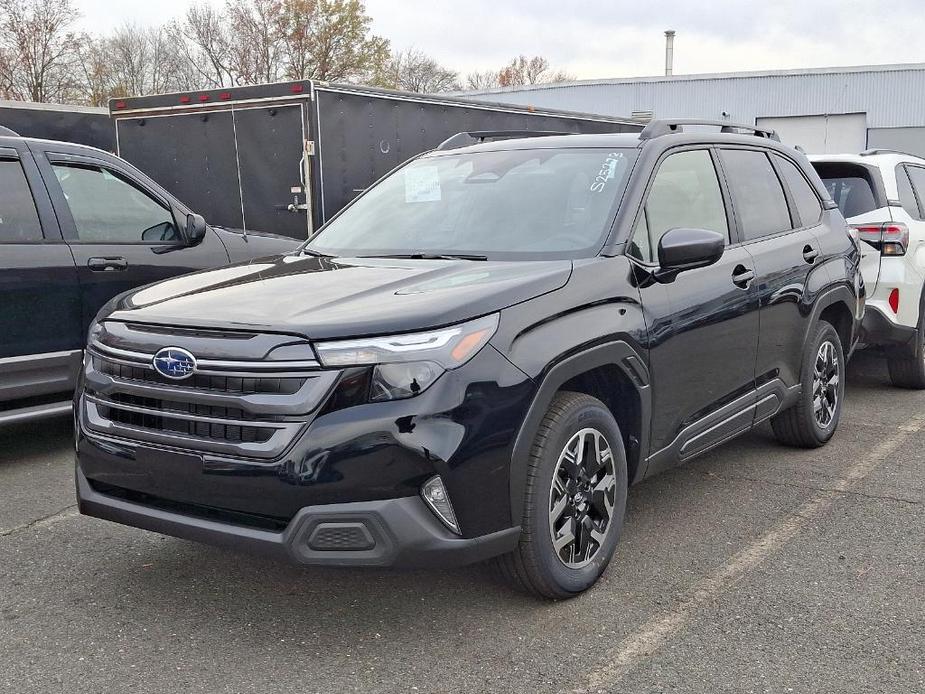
x=881, y=193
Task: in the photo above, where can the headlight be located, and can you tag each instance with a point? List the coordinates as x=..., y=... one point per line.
x=408, y=364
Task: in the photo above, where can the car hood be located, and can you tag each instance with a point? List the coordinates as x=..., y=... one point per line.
x=254, y=244
x=322, y=298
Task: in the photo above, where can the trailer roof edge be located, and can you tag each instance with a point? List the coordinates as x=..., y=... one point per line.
x=216, y=99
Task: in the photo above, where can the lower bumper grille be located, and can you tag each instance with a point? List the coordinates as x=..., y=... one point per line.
x=245, y=408
x=221, y=515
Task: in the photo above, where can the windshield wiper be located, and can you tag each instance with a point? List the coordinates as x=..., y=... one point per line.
x=312, y=252
x=429, y=256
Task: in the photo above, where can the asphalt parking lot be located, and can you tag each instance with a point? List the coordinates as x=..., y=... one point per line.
x=753, y=569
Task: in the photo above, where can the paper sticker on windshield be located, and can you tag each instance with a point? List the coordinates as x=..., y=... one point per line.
x=422, y=184
x=608, y=172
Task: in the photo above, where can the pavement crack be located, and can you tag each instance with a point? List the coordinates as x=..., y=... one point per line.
x=65, y=512
x=840, y=492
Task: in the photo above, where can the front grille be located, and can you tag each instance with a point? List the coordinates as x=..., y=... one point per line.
x=244, y=408
x=224, y=384
x=178, y=425
x=185, y=408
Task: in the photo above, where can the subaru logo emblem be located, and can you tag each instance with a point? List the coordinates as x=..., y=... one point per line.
x=174, y=362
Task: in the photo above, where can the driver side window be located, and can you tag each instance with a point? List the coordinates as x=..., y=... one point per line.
x=108, y=209
x=685, y=193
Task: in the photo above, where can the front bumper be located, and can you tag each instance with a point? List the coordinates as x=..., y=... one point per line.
x=360, y=467
x=388, y=532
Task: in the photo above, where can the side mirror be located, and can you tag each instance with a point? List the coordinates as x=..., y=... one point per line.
x=683, y=249
x=195, y=228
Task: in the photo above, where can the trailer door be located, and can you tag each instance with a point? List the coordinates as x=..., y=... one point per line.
x=270, y=143
x=193, y=156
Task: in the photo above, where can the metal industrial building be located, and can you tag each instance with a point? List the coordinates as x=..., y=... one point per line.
x=824, y=110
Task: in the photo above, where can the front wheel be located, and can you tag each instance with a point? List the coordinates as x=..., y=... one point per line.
x=812, y=421
x=574, y=503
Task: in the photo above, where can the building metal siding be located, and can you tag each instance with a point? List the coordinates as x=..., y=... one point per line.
x=890, y=95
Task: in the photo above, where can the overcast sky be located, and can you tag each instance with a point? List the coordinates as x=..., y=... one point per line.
x=618, y=38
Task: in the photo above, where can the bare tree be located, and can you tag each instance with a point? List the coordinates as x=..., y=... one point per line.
x=256, y=41
x=96, y=78
x=133, y=61
x=38, y=50
x=203, y=38
x=524, y=71
x=519, y=72
x=415, y=71
x=482, y=80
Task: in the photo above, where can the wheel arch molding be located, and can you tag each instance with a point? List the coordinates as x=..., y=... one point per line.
x=837, y=306
x=587, y=370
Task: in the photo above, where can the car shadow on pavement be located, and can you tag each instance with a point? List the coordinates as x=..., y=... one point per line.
x=33, y=439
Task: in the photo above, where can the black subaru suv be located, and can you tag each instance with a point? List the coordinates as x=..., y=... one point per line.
x=476, y=357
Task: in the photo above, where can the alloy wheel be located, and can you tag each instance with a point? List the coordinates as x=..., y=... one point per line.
x=581, y=498
x=825, y=385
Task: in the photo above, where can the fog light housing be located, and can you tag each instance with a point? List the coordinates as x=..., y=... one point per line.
x=434, y=494
x=403, y=380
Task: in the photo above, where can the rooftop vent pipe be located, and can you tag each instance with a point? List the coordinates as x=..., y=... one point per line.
x=669, y=52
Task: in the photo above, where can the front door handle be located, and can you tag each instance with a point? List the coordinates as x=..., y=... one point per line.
x=810, y=254
x=111, y=264
x=742, y=275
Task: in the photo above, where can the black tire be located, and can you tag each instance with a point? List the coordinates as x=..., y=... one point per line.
x=799, y=425
x=535, y=566
x=909, y=372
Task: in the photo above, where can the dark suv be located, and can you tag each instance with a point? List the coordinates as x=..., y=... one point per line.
x=77, y=227
x=476, y=357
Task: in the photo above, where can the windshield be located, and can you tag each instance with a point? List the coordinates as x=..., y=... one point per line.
x=507, y=205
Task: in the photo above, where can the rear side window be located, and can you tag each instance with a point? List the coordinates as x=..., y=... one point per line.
x=917, y=175
x=19, y=220
x=804, y=198
x=684, y=193
x=849, y=186
x=108, y=209
x=757, y=194
x=906, y=194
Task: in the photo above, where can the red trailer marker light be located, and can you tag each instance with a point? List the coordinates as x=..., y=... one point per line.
x=203, y=97
x=185, y=99
x=296, y=88
x=120, y=104
x=224, y=96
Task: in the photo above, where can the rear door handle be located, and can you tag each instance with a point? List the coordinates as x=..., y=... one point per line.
x=742, y=275
x=107, y=264
x=810, y=254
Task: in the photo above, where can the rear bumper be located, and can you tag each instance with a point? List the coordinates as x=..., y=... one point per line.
x=390, y=532
x=878, y=330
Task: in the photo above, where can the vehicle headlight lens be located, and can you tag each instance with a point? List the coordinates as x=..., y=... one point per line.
x=408, y=364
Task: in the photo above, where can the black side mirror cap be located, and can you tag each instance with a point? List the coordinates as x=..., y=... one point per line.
x=683, y=249
x=195, y=228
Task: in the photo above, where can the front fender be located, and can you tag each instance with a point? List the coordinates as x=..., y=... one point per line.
x=620, y=354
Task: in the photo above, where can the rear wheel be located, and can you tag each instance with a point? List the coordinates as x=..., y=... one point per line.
x=574, y=501
x=812, y=421
x=909, y=372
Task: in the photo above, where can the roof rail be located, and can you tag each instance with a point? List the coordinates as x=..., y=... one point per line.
x=880, y=150
x=4, y=131
x=465, y=139
x=659, y=127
